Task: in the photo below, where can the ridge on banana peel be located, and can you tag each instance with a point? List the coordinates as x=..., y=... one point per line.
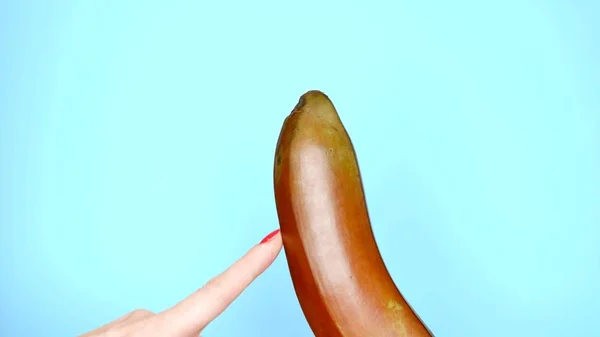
x=339, y=276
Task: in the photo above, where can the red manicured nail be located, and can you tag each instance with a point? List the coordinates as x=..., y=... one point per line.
x=270, y=236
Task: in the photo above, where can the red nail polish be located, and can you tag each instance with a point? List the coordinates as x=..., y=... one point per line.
x=270, y=236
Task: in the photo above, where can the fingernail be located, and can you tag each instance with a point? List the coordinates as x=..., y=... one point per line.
x=270, y=236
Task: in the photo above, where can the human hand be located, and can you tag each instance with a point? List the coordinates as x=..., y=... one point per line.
x=190, y=316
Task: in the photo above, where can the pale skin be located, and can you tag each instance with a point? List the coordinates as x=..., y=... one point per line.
x=189, y=317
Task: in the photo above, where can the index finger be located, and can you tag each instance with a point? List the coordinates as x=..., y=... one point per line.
x=194, y=313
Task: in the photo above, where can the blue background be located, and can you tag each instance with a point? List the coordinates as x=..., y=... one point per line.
x=137, y=139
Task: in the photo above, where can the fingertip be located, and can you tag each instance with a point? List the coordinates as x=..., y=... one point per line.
x=271, y=236
x=273, y=242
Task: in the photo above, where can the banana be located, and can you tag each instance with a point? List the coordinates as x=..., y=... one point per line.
x=339, y=277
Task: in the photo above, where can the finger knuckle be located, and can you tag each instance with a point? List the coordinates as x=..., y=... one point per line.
x=216, y=290
x=140, y=313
